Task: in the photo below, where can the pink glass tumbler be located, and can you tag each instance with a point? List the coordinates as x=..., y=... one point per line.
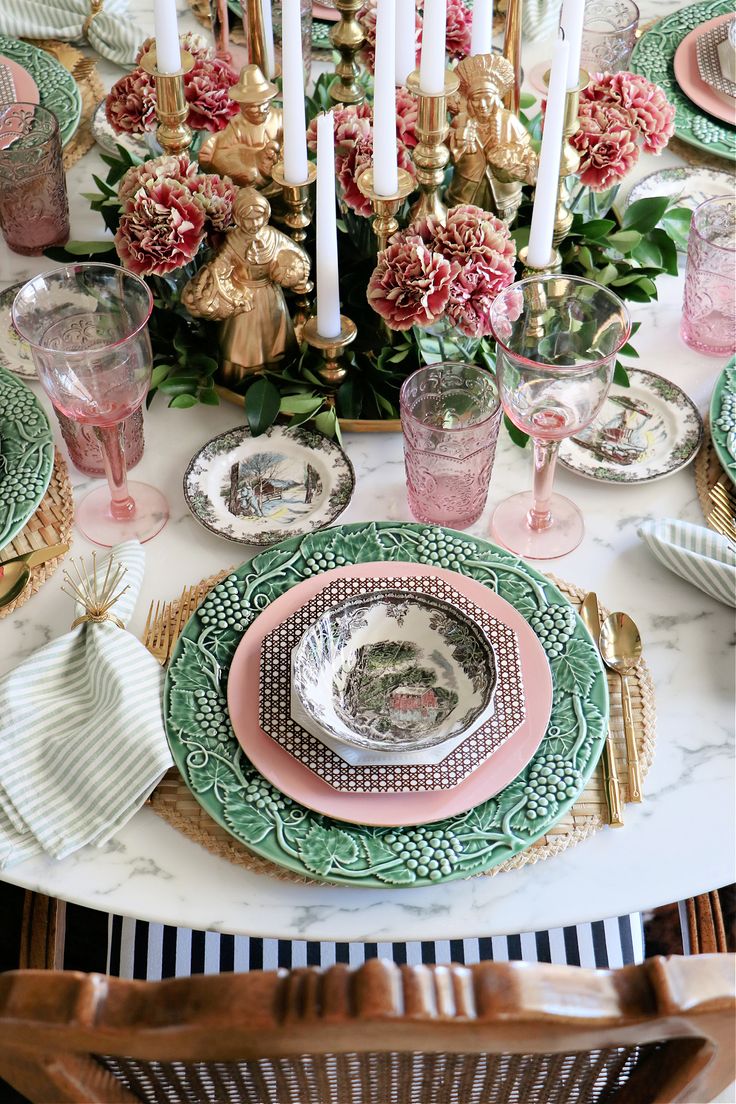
x=556, y=343
x=450, y=416
x=87, y=328
x=709, y=305
x=34, y=212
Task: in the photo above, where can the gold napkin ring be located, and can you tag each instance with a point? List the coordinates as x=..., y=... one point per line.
x=95, y=7
x=97, y=619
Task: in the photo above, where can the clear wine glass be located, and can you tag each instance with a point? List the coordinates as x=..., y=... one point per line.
x=87, y=328
x=556, y=343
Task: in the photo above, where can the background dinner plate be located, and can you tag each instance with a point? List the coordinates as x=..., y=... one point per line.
x=56, y=86
x=26, y=455
x=723, y=419
x=687, y=74
x=690, y=185
x=16, y=83
x=240, y=799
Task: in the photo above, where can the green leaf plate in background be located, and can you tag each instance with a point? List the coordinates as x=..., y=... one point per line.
x=653, y=58
x=723, y=419
x=239, y=798
x=26, y=455
x=57, y=88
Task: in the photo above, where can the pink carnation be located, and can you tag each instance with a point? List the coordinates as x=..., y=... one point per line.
x=130, y=106
x=483, y=251
x=651, y=111
x=161, y=228
x=407, y=109
x=410, y=286
x=194, y=44
x=174, y=166
x=350, y=124
x=607, y=144
x=216, y=194
x=459, y=26
x=349, y=168
x=206, y=89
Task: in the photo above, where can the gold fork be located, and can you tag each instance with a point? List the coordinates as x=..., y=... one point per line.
x=157, y=633
x=722, y=516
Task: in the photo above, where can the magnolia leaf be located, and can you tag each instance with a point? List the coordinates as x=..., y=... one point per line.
x=647, y=252
x=628, y=350
x=620, y=375
x=624, y=240
x=159, y=374
x=644, y=214
x=325, y=848
x=301, y=404
x=262, y=403
x=183, y=402
x=326, y=423
x=178, y=385
x=249, y=823
x=577, y=667
x=208, y=396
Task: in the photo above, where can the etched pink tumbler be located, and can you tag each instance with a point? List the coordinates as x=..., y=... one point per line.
x=709, y=306
x=34, y=212
x=450, y=414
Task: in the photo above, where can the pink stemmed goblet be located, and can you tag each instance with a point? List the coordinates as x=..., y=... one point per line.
x=87, y=328
x=556, y=343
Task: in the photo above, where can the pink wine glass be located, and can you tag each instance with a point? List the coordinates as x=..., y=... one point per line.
x=87, y=328
x=556, y=343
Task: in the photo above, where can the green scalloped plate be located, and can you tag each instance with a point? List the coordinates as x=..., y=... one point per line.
x=653, y=58
x=239, y=798
x=56, y=86
x=26, y=455
x=723, y=419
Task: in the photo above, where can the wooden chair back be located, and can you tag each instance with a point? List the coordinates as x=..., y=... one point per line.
x=494, y=1033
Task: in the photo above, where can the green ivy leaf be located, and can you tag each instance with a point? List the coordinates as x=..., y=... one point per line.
x=620, y=375
x=576, y=669
x=262, y=403
x=189, y=671
x=645, y=213
x=249, y=823
x=359, y=546
x=325, y=848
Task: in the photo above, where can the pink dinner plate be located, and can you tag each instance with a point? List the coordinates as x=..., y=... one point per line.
x=690, y=81
x=25, y=89
x=296, y=780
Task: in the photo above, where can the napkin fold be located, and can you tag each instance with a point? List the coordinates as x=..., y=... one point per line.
x=696, y=554
x=82, y=738
x=112, y=33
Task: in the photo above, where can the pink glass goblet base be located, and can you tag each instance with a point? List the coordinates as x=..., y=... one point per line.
x=95, y=519
x=511, y=526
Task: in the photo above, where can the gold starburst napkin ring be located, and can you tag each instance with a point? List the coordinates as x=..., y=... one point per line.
x=98, y=596
x=95, y=7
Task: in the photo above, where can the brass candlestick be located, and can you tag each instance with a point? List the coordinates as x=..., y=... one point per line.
x=173, y=133
x=385, y=207
x=347, y=37
x=569, y=157
x=255, y=33
x=512, y=52
x=431, y=154
x=553, y=266
x=332, y=372
x=298, y=217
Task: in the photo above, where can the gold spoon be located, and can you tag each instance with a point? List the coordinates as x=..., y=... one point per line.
x=590, y=615
x=620, y=645
x=15, y=574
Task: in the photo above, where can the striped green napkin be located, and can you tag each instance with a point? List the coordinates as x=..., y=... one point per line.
x=703, y=558
x=111, y=33
x=82, y=740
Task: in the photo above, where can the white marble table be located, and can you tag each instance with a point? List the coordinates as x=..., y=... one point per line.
x=679, y=842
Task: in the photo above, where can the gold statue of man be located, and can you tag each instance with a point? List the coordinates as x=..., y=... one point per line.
x=250, y=145
x=490, y=148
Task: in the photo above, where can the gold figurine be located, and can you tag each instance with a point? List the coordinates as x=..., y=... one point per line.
x=241, y=287
x=250, y=145
x=491, y=150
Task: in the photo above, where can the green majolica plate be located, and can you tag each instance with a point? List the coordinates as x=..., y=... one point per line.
x=26, y=455
x=56, y=86
x=723, y=419
x=241, y=800
x=653, y=57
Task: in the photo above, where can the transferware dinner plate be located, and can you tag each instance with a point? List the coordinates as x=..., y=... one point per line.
x=260, y=490
x=240, y=799
x=689, y=77
x=15, y=353
x=689, y=186
x=56, y=86
x=723, y=419
x=26, y=455
x=653, y=57
x=644, y=432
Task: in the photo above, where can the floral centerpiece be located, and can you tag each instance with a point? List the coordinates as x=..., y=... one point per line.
x=458, y=34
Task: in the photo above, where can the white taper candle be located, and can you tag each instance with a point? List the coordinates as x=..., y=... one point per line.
x=406, y=40
x=328, y=281
x=168, y=50
x=385, y=152
x=481, y=37
x=539, y=249
x=433, y=62
x=571, y=21
x=292, y=69
x=270, y=58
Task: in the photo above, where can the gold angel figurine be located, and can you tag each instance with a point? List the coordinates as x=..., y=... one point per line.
x=491, y=150
x=241, y=287
x=250, y=145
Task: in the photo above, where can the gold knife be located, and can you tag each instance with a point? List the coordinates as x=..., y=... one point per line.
x=37, y=556
x=590, y=615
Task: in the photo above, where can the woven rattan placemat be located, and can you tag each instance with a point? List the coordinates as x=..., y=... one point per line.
x=51, y=524
x=708, y=470
x=174, y=802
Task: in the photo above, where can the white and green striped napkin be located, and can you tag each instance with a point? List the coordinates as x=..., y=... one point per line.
x=82, y=739
x=111, y=33
x=702, y=557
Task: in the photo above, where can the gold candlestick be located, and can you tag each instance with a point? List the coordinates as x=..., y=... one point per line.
x=347, y=37
x=553, y=266
x=298, y=217
x=431, y=154
x=332, y=372
x=385, y=207
x=255, y=34
x=569, y=157
x=512, y=52
x=173, y=133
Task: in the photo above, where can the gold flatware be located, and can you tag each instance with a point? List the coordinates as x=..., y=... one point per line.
x=722, y=517
x=620, y=644
x=15, y=573
x=590, y=615
x=157, y=632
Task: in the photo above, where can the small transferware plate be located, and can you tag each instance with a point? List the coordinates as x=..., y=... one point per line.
x=108, y=140
x=723, y=419
x=394, y=672
x=26, y=455
x=644, y=432
x=689, y=186
x=260, y=490
x=15, y=353
x=57, y=88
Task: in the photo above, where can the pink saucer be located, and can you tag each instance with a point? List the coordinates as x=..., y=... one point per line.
x=688, y=76
x=25, y=89
x=384, y=810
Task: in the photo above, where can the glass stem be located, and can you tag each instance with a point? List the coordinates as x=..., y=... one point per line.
x=112, y=443
x=545, y=458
